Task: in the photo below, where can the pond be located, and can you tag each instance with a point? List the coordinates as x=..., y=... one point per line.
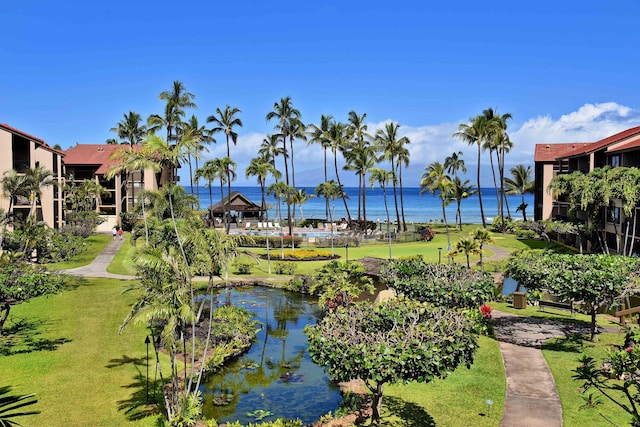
x=277, y=375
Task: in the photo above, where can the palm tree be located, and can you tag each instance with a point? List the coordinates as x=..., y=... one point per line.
x=434, y=179
x=455, y=163
x=37, y=179
x=279, y=190
x=390, y=144
x=520, y=184
x=482, y=237
x=402, y=159
x=300, y=197
x=225, y=121
x=201, y=137
x=286, y=117
x=476, y=133
x=468, y=247
x=461, y=190
x=13, y=185
x=269, y=149
x=498, y=142
x=319, y=135
x=339, y=141
x=359, y=139
x=383, y=177
x=225, y=170
x=208, y=171
x=330, y=190
x=129, y=159
x=130, y=129
x=261, y=169
x=361, y=159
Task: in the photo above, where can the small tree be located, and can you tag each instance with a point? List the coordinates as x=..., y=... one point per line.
x=398, y=340
x=338, y=283
x=596, y=280
x=468, y=247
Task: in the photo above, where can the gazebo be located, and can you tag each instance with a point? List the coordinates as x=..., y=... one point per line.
x=238, y=206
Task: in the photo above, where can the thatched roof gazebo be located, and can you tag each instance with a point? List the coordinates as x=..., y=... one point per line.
x=239, y=204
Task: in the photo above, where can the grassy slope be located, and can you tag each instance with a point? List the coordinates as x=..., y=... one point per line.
x=562, y=355
x=71, y=355
x=94, y=245
x=458, y=400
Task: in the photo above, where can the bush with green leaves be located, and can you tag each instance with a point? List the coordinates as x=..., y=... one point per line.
x=301, y=283
x=398, y=340
x=338, y=283
x=595, y=280
x=275, y=242
x=243, y=267
x=276, y=423
x=452, y=286
x=284, y=267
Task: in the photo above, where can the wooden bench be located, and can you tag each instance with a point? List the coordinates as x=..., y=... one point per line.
x=568, y=306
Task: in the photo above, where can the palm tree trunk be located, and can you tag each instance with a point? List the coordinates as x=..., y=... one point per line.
x=446, y=226
x=293, y=180
x=226, y=217
x=484, y=222
x=344, y=199
x=459, y=214
x=286, y=175
x=326, y=178
x=364, y=204
x=404, y=222
x=524, y=210
x=266, y=233
x=386, y=209
x=395, y=193
x=495, y=185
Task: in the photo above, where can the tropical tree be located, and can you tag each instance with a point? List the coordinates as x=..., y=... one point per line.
x=476, y=132
x=130, y=129
x=402, y=160
x=455, y=163
x=435, y=179
x=319, y=135
x=359, y=140
x=300, y=197
x=330, y=190
x=287, y=118
x=461, y=190
x=392, y=146
x=278, y=190
x=261, y=169
x=383, y=177
x=270, y=149
x=225, y=122
x=482, y=236
x=361, y=160
x=208, y=172
x=339, y=139
x=13, y=185
x=176, y=100
x=37, y=179
x=520, y=184
x=468, y=247
x=339, y=283
x=394, y=341
x=201, y=138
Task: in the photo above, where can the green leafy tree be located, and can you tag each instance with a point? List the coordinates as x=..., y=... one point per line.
x=482, y=237
x=393, y=149
x=339, y=139
x=452, y=286
x=330, y=190
x=383, y=177
x=460, y=190
x=21, y=281
x=320, y=135
x=595, y=280
x=396, y=341
x=339, y=283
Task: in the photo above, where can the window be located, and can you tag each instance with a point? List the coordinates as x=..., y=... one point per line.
x=614, y=161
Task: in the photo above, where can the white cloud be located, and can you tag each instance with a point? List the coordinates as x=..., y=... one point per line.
x=434, y=142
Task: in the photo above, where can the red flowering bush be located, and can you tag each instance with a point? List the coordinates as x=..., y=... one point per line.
x=486, y=311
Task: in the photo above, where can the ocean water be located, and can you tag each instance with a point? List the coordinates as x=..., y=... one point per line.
x=417, y=207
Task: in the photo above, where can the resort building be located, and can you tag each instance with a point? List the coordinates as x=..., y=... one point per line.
x=621, y=149
x=92, y=161
x=21, y=153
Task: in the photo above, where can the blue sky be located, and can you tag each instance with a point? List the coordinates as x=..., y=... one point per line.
x=566, y=70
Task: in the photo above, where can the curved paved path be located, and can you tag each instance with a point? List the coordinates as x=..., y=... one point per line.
x=98, y=267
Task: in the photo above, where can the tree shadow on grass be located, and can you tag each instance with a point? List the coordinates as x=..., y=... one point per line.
x=23, y=336
x=143, y=402
x=397, y=412
x=569, y=344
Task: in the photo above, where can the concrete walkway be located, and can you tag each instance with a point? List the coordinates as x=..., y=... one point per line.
x=98, y=267
x=531, y=399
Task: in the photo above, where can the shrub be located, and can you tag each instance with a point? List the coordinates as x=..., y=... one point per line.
x=278, y=242
x=243, y=267
x=300, y=283
x=338, y=240
x=426, y=233
x=306, y=254
x=284, y=268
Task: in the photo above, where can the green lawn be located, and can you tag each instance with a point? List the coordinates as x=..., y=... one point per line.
x=458, y=400
x=562, y=356
x=66, y=349
x=94, y=245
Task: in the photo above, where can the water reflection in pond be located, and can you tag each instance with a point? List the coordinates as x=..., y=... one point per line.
x=276, y=378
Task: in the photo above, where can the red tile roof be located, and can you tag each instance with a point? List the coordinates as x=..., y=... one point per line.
x=92, y=155
x=550, y=152
x=620, y=136
x=30, y=137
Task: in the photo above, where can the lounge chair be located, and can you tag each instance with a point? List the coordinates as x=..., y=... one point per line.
x=259, y=225
x=270, y=225
x=276, y=225
x=247, y=225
